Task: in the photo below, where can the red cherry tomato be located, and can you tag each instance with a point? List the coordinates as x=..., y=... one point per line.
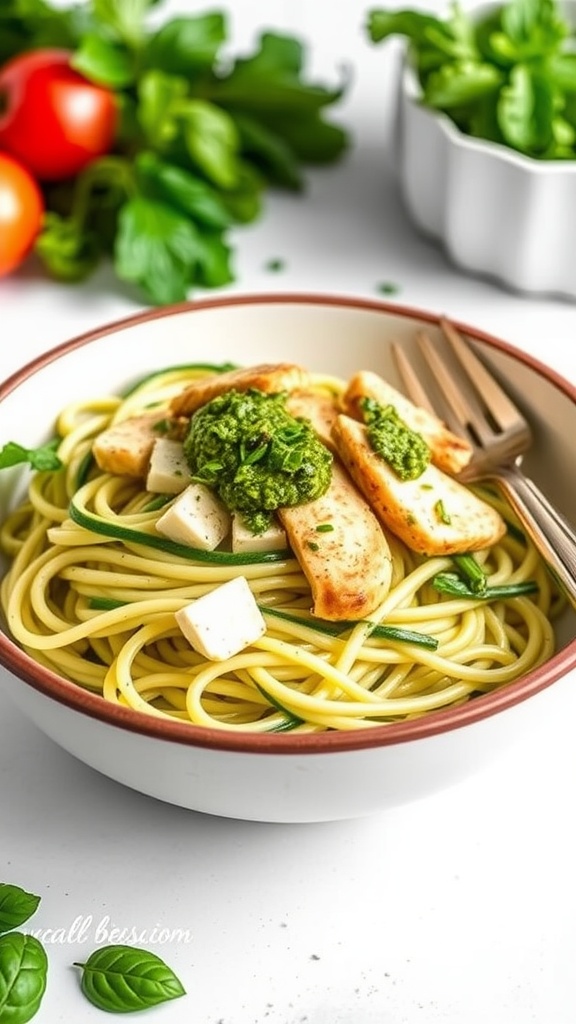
x=21, y=209
x=52, y=119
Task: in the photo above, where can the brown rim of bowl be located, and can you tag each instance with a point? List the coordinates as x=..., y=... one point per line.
x=432, y=724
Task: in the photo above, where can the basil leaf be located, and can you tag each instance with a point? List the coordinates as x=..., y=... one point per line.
x=270, y=151
x=68, y=249
x=212, y=141
x=415, y=25
x=104, y=62
x=456, y=84
x=122, y=979
x=310, y=139
x=183, y=190
x=124, y=18
x=187, y=45
x=23, y=975
x=16, y=906
x=156, y=248
x=244, y=201
x=269, y=80
x=42, y=458
x=525, y=111
x=214, y=263
x=159, y=96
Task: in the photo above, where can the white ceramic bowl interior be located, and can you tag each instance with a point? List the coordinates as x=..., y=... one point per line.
x=495, y=212
x=279, y=777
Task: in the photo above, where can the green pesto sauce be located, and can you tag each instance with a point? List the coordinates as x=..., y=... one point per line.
x=403, y=449
x=255, y=455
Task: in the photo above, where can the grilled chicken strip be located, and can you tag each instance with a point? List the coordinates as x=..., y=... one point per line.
x=268, y=377
x=317, y=407
x=347, y=562
x=433, y=514
x=448, y=451
x=125, y=448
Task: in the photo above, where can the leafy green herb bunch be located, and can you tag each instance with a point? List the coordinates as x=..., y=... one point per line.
x=201, y=135
x=501, y=72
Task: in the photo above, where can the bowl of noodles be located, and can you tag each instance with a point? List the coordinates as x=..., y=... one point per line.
x=271, y=648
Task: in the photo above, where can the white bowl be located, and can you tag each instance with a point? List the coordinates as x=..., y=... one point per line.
x=279, y=777
x=495, y=212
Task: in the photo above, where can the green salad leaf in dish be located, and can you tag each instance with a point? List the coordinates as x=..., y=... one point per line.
x=505, y=72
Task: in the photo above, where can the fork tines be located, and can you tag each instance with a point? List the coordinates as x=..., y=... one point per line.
x=472, y=403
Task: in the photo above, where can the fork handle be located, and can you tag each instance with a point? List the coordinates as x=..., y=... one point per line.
x=550, y=532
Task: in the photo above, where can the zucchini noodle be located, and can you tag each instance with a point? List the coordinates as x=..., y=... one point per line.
x=92, y=590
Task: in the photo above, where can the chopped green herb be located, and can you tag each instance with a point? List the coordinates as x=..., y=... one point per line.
x=313, y=545
x=255, y=455
x=442, y=513
x=324, y=528
x=388, y=288
x=275, y=265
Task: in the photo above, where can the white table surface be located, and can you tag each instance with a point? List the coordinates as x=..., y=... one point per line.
x=457, y=909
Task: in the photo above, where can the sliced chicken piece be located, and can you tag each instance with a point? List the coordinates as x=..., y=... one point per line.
x=433, y=514
x=342, y=550
x=125, y=448
x=268, y=377
x=319, y=408
x=448, y=451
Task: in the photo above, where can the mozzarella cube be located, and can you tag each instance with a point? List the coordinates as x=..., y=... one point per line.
x=197, y=517
x=169, y=472
x=222, y=623
x=273, y=539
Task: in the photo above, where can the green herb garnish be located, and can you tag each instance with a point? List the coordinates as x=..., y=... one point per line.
x=42, y=458
x=255, y=455
x=442, y=513
x=388, y=288
x=506, y=74
x=275, y=265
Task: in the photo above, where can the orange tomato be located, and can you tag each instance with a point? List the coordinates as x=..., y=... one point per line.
x=21, y=209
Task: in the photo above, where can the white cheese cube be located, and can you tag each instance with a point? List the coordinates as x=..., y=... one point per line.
x=223, y=622
x=197, y=517
x=273, y=539
x=169, y=472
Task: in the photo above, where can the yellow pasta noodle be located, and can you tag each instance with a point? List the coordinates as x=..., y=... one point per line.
x=92, y=590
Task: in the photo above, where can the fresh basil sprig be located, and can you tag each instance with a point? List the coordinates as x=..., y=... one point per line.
x=23, y=976
x=122, y=979
x=16, y=906
x=506, y=73
x=42, y=458
x=201, y=137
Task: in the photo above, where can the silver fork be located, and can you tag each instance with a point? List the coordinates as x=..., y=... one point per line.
x=477, y=409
